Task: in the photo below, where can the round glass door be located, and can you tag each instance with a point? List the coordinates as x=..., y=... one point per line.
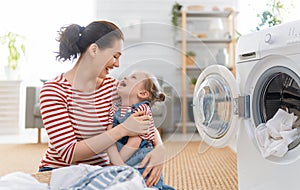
x=214, y=104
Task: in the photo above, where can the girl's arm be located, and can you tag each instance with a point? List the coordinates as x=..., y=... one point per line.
x=155, y=160
x=130, y=147
x=157, y=138
x=113, y=154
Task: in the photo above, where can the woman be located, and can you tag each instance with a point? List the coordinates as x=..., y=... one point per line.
x=75, y=106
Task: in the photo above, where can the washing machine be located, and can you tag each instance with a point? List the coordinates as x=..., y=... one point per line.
x=227, y=108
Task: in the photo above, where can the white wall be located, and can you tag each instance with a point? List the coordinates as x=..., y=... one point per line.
x=39, y=21
x=152, y=24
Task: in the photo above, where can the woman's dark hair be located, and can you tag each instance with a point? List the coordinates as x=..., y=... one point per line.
x=75, y=39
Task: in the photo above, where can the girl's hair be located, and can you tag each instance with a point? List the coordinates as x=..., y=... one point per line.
x=152, y=86
x=75, y=39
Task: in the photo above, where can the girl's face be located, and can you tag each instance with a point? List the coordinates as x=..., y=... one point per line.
x=111, y=57
x=132, y=85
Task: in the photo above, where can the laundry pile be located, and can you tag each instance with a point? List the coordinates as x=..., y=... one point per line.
x=76, y=177
x=274, y=136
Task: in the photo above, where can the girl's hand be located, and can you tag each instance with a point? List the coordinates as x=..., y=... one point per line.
x=155, y=160
x=137, y=124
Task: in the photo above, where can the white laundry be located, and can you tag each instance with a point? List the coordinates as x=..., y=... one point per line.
x=274, y=136
x=21, y=181
x=281, y=121
x=67, y=176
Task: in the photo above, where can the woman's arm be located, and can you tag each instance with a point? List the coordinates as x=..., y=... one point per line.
x=137, y=123
x=94, y=145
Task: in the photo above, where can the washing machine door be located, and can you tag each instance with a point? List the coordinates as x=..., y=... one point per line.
x=215, y=105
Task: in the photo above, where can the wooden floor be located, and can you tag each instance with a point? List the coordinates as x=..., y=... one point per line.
x=195, y=166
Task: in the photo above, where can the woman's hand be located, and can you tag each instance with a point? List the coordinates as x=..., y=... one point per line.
x=155, y=160
x=137, y=124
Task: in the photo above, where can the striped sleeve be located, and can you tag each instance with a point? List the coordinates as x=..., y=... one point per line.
x=150, y=135
x=53, y=106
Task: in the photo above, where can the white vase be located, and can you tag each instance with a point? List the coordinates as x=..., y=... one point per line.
x=222, y=57
x=11, y=74
x=216, y=28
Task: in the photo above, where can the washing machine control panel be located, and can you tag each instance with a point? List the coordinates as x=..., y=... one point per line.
x=294, y=35
x=257, y=45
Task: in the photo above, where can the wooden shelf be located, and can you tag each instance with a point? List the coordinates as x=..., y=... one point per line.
x=188, y=124
x=197, y=14
x=185, y=39
x=193, y=68
x=205, y=40
x=189, y=95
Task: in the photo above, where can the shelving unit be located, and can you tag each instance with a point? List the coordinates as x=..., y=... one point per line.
x=185, y=41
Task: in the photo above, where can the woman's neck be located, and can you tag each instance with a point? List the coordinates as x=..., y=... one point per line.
x=82, y=80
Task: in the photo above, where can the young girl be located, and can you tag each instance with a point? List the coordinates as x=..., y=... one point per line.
x=137, y=93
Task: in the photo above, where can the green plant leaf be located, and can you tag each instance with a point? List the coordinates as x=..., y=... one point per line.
x=176, y=8
x=15, y=47
x=272, y=16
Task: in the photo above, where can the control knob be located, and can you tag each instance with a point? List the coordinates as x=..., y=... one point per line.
x=268, y=38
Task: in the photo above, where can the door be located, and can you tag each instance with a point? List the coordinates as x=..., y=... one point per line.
x=215, y=104
x=273, y=83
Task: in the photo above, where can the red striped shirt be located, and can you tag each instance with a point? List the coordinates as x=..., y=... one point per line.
x=70, y=115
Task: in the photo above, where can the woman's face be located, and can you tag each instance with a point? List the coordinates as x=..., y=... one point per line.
x=111, y=57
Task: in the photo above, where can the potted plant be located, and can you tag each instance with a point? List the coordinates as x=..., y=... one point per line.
x=193, y=82
x=14, y=44
x=176, y=8
x=273, y=16
x=190, y=58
